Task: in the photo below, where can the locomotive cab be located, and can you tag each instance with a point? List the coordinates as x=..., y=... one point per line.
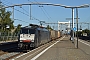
x=26, y=37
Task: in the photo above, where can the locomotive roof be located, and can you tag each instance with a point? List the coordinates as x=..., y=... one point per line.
x=38, y=28
x=44, y=29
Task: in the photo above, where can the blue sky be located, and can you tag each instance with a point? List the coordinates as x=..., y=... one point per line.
x=50, y=14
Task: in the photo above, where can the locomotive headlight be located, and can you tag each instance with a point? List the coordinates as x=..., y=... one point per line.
x=20, y=40
x=32, y=40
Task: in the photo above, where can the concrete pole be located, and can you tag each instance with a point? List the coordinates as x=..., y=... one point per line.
x=72, y=24
x=13, y=13
x=58, y=26
x=30, y=12
x=73, y=17
x=77, y=25
x=68, y=26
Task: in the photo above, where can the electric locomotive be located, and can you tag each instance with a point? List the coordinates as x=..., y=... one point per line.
x=32, y=37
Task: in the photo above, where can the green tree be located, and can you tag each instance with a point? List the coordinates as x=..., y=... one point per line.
x=86, y=31
x=49, y=28
x=5, y=20
x=17, y=29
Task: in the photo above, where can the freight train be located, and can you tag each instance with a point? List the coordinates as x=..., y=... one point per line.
x=34, y=36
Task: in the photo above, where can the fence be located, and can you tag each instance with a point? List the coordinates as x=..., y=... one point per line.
x=8, y=36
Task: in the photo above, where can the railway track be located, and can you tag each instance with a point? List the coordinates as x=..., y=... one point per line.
x=2, y=52
x=86, y=38
x=10, y=53
x=13, y=51
x=7, y=50
x=33, y=52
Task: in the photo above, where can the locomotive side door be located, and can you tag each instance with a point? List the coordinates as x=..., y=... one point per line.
x=36, y=38
x=39, y=37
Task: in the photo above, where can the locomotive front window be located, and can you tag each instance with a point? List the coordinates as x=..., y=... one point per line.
x=24, y=31
x=32, y=31
x=27, y=31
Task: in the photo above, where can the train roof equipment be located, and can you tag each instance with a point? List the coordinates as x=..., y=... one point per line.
x=33, y=26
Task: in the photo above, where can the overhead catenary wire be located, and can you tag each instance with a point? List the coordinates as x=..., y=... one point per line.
x=5, y=1
x=24, y=9
x=38, y=19
x=34, y=4
x=48, y=16
x=21, y=20
x=45, y=12
x=12, y=3
x=17, y=10
x=21, y=11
